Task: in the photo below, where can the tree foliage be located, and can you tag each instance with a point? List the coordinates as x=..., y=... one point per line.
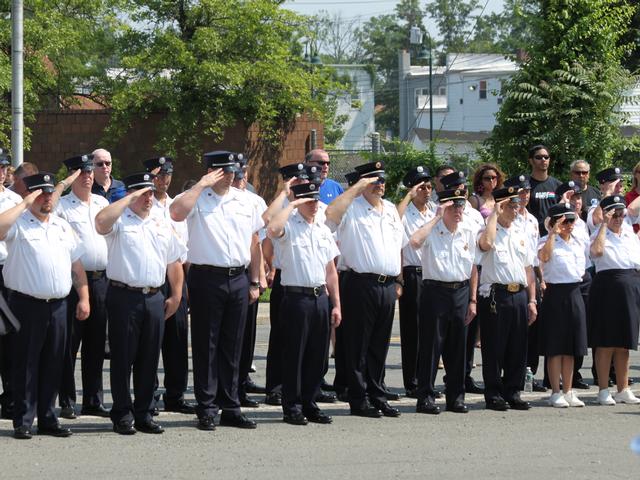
x=566, y=94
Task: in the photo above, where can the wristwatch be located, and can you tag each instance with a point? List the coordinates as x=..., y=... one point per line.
x=254, y=284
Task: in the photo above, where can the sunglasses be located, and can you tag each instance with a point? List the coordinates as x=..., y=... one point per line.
x=541, y=157
x=581, y=172
x=102, y=164
x=321, y=163
x=568, y=221
x=490, y=179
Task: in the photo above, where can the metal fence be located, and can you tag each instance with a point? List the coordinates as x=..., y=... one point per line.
x=343, y=162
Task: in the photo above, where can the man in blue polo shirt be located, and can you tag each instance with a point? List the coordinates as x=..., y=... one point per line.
x=329, y=189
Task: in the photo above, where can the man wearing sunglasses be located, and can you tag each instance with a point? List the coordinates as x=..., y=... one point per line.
x=103, y=183
x=329, y=189
x=543, y=186
x=580, y=170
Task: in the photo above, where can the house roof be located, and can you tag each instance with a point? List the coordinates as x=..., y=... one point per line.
x=469, y=63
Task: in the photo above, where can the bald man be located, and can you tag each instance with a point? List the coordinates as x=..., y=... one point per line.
x=103, y=182
x=329, y=189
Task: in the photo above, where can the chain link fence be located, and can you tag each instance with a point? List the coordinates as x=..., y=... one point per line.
x=343, y=162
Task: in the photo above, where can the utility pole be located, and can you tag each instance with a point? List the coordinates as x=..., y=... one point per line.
x=17, y=85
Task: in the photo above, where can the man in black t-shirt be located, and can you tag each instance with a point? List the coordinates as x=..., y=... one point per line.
x=543, y=186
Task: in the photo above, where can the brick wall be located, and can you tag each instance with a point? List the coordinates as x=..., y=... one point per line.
x=59, y=135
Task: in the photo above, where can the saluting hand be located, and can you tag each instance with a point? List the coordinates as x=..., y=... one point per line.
x=566, y=196
x=364, y=183
x=300, y=201
x=83, y=309
x=498, y=208
x=136, y=194
x=71, y=178
x=558, y=226
x=286, y=186
x=608, y=188
x=211, y=178
x=29, y=199
x=442, y=207
x=608, y=215
x=414, y=190
x=336, y=317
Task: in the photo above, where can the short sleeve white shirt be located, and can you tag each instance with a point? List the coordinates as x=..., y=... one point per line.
x=621, y=251
x=568, y=260
x=506, y=262
x=412, y=220
x=8, y=199
x=449, y=256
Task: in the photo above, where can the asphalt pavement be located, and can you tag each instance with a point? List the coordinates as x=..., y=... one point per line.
x=542, y=443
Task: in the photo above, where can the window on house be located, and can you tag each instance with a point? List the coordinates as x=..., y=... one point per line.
x=483, y=90
x=442, y=91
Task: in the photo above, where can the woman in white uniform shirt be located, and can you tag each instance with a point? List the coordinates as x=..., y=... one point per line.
x=614, y=300
x=563, y=333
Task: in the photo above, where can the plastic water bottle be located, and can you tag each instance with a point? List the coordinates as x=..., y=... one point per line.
x=528, y=381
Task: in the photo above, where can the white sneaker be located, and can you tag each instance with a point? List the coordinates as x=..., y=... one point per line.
x=557, y=400
x=572, y=399
x=626, y=396
x=605, y=398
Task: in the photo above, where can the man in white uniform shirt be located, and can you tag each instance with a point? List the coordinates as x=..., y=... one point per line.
x=175, y=341
x=371, y=239
x=223, y=241
x=450, y=280
x=8, y=199
x=43, y=263
x=415, y=212
x=308, y=273
x=143, y=251
x=80, y=208
x=507, y=303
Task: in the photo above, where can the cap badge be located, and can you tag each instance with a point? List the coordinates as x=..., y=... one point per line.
x=46, y=178
x=314, y=169
x=420, y=169
x=616, y=170
x=378, y=165
x=85, y=158
x=146, y=177
x=567, y=205
x=521, y=178
x=312, y=186
x=240, y=156
x=457, y=192
x=230, y=156
x=461, y=174
x=571, y=184
x=162, y=160
x=300, y=166
x=511, y=189
x=616, y=199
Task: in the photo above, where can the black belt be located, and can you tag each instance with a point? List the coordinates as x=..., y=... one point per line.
x=228, y=271
x=509, y=287
x=95, y=275
x=451, y=285
x=378, y=277
x=30, y=297
x=414, y=268
x=144, y=290
x=311, y=291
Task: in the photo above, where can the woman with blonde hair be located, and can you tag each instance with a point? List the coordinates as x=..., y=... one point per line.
x=486, y=179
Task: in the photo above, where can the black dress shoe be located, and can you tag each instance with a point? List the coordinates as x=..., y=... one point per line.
x=148, y=426
x=236, y=420
x=155, y=412
x=391, y=395
x=457, y=407
x=68, y=412
x=470, y=386
x=437, y=394
x=427, y=406
x=95, y=410
x=248, y=403
x=207, y=423
x=538, y=387
x=327, y=387
x=517, y=403
x=181, y=406
x=387, y=410
x=581, y=385
x=273, y=398
x=22, y=433
x=124, y=427
x=54, y=431
x=497, y=404
x=317, y=416
x=368, y=411
x=325, y=397
x=343, y=396
x=295, y=418
x=251, y=387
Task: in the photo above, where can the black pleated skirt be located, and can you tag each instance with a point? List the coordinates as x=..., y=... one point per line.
x=614, y=309
x=563, y=322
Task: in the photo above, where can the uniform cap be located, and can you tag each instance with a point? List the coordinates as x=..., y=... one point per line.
x=507, y=192
x=566, y=186
x=45, y=181
x=222, y=159
x=519, y=181
x=165, y=164
x=140, y=180
x=560, y=209
x=372, y=169
x=415, y=176
x=307, y=190
x=612, y=201
x=609, y=174
x=293, y=170
x=453, y=180
x=352, y=178
x=456, y=195
x=82, y=162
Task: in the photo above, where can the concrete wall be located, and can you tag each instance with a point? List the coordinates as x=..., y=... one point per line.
x=59, y=135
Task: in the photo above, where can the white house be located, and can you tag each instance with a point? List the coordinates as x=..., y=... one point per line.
x=358, y=105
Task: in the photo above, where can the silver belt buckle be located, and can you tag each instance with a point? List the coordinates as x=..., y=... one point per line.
x=232, y=271
x=146, y=290
x=316, y=291
x=382, y=278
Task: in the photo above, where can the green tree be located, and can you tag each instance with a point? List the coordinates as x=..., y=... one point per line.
x=631, y=40
x=209, y=64
x=565, y=95
x=67, y=45
x=453, y=18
